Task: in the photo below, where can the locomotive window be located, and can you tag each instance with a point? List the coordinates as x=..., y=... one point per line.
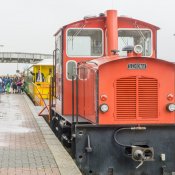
x=135, y=37
x=71, y=69
x=84, y=42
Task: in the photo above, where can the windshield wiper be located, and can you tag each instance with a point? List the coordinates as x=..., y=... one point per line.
x=141, y=33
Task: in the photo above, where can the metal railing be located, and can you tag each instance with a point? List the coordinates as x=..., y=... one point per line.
x=39, y=95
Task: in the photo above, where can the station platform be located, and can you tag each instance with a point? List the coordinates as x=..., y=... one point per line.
x=27, y=144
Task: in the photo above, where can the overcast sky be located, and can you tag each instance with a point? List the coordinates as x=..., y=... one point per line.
x=29, y=25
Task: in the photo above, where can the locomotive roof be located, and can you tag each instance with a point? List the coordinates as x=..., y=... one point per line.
x=132, y=20
x=120, y=19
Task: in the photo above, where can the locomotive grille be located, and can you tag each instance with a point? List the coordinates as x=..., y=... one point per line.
x=136, y=98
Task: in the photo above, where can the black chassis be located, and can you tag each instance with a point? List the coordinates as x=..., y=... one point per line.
x=97, y=153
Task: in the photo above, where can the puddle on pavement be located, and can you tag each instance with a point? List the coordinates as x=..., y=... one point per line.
x=12, y=118
x=13, y=128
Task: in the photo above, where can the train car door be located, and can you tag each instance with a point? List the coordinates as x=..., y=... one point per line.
x=58, y=72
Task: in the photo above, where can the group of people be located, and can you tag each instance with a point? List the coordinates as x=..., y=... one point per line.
x=11, y=84
x=15, y=84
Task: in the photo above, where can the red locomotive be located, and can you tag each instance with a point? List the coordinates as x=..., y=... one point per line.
x=114, y=99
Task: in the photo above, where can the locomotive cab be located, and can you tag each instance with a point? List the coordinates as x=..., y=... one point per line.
x=93, y=38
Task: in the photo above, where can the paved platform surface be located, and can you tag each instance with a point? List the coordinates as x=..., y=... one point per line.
x=27, y=145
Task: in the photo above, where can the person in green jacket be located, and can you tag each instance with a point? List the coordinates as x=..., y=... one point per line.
x=8, y=88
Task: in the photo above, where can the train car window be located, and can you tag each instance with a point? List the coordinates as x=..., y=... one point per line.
x=133, y=37
x=71, y=69
x=84, y=42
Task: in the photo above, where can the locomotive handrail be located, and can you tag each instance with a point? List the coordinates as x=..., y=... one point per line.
x=72, y=99
x=45, y=105
x=75, y=98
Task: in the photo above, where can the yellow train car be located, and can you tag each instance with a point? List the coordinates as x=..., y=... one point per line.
x=37, y=81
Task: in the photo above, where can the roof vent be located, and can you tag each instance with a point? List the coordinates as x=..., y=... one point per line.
x=101, y=14
x=89, y=16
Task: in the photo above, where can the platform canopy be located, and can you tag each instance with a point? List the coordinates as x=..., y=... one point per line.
x=18, y=57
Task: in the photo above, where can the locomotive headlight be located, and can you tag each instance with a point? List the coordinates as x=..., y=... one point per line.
x=171, y=107
x=104, y=108
x=138, y=49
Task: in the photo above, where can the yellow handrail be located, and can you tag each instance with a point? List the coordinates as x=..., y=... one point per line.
x=46, y=106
